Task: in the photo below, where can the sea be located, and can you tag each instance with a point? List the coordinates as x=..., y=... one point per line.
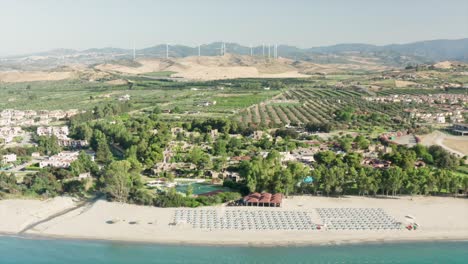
x=17, y=250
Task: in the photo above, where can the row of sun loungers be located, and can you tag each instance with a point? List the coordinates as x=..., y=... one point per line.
x=332, y=219
x=357, y=219
x=245, y=220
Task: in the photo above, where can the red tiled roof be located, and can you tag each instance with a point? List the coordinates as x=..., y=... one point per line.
x=252, y=200
x=277, y=198
x=256, y=195
x=264, y=198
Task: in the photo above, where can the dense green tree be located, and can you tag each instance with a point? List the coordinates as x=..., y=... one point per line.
x=101, y=146
x=117, y=180
x=43, y=183
x=48, y=145
x=325, y=157
x=442, y=158
x=220, y=147
x=361, y=142
x=8, y=183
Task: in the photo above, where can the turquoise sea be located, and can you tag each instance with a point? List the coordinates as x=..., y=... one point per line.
x=43, y=251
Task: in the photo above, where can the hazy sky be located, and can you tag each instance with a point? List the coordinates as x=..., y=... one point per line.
x=38, y=25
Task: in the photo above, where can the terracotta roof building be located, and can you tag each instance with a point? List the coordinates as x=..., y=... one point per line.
x=263, y=199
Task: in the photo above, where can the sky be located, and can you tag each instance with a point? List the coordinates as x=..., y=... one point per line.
x=28, y=26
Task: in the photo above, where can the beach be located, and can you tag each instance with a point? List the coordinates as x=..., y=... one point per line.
x=438, y=218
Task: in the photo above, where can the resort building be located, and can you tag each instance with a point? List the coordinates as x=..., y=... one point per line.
x=263, y=199
x=62, y=160
x=73, y=143
x=8, y=158
x=7, y=134
x=59, y=132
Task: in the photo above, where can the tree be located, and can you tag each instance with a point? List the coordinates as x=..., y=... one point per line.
x=318, y=127
x=345, y=114
x=345, y=144
x=219, y=147
x=117, y=180
x=176, y=110
x=103, y=153
x=156, y=110
x=82, y=131
x=361, y=142
x=199, y=158
x=353, y=159
x=84, y=163
x=48, y=145
x=8, y=183
x=442, y=158
x=286, y=133
x=43, y=183
x=361, y=182
x=325, y=157
x=393, y=179
x=328, y=181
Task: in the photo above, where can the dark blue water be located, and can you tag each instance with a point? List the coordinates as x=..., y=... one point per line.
x=35, y=251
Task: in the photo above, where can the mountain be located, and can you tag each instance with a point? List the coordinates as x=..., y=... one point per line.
x=393, y=55
x=432, y=50
x=437, y=50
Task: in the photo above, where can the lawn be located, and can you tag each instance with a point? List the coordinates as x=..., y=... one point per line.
x=159, y=74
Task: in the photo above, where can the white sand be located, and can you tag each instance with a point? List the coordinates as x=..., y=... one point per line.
x=439, y=219
x=17, y=214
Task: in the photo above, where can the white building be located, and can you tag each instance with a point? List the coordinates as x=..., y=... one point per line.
x=61, y=160
x=8, y=158
x=441, y=119
x=59, y=132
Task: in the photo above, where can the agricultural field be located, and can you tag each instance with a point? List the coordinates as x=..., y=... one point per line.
x=301, y=106
x=262, y=102
x=192, y=100
x=159, y=74
x=413, y=91
x=53, y=95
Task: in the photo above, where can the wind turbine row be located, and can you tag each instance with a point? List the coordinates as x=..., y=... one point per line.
x=272, y=50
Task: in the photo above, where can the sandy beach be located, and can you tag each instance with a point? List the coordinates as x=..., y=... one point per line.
x=439, y=218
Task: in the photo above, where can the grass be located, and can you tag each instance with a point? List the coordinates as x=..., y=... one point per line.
x=159, y=74
x=52, y=95
x=242, y=101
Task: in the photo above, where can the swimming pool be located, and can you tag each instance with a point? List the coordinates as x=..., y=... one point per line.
x=199, y=188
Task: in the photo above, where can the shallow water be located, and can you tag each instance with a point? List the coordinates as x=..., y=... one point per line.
x=43, y=251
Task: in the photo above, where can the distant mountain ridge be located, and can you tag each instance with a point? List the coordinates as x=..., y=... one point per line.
x=398, y=55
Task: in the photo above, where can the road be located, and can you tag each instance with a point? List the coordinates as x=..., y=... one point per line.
x=437, y=138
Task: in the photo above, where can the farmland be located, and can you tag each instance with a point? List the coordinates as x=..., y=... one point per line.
x=339, y=100
x=300, y=106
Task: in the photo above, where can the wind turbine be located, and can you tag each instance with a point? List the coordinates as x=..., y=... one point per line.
x=199, y=53
x=134, y=51
x=167, y=50
x=263, y=49
x=276, y=51
x=251, y=50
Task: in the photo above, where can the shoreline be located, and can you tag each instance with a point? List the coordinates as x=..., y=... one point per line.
x=439, y=219
x=229, y=244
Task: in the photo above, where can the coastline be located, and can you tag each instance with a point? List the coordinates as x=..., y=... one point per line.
x=240, y=244
x=441, y=219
